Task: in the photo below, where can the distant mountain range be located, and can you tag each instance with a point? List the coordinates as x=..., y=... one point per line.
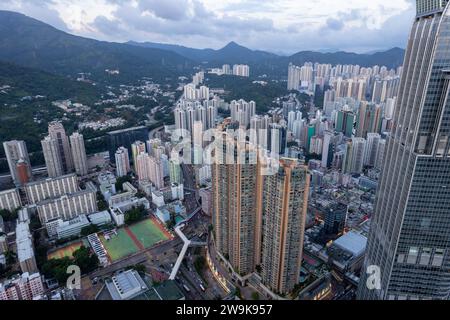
x=31, y=43
x=234, y=53
x=28, y=42
x=231, y=53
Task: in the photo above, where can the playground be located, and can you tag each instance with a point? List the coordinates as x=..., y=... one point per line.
x=66, y=251
x=130, y=240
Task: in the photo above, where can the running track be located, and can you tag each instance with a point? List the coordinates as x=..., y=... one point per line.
x=135, y=240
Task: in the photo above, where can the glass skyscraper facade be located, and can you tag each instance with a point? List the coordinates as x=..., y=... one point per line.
x=409, y=240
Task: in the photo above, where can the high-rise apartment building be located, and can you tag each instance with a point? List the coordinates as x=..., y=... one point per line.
x=137, y=148
x=285, y=201
x=122, y=162
x=408, y=251
x=25, y=287
x=79, y=154
x=237, y=195
x=52, y=157
x=18, y=161
x=125, y=138
x=57, y=132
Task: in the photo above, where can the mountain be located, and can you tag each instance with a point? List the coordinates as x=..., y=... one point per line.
x=231, y=53
x=31, y=43
x=265, y=62
x=23, y=82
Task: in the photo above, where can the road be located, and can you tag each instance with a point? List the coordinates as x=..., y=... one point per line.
x=158, y=253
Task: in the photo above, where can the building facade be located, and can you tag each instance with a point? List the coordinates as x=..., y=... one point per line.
x=410, y=231
x=79, y=154
x=285, y=205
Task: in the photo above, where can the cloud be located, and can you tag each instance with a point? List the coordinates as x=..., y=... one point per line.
x=274, y=25
x=334, y=24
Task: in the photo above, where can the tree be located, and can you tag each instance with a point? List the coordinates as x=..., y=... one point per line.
x=120, y=181
x=90, y=229
x=85, y=259
x=134, y=215
x=140, y=268
x=237, y=292
x=101, y=202
x=8, y=215
x=57, y=268
x=35, y=223
x=255, y=295
x=10, y=257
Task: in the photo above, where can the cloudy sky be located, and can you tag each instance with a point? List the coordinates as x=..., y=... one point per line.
x=284, y=26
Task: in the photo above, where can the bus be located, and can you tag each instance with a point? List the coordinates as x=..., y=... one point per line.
x=202, y=287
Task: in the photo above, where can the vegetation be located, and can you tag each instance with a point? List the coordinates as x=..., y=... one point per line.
x=89, y=230
x=120, y=181
x=101, y=202
x=57, y=268
x=8, y=215
x=244, y=88
x=135, y=215
x=35, y=223
x=26, y=41
x=255, y=295
x=142, y=269
x=10, y=257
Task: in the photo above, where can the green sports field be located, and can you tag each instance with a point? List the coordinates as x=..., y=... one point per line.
x=131, y=240
x=147, y=233
x=119, y=246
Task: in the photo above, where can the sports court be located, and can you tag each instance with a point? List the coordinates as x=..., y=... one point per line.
x=66, y=251
x=147, y=233
x=130, y=240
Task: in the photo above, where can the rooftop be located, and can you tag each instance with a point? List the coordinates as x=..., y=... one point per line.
x=24, y=241
x=126, y=285
x=353, y=242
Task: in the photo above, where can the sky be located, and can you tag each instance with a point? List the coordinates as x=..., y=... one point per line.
x=279, y=26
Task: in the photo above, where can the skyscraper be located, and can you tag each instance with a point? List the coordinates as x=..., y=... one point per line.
x=125, y=138
x=52, y=157
x=284, y=210
x=57, y=132
x=16, y=151
x=408, y=252
x=137, y=148
x=79, y=154
x=237, y=206
x=122, y=162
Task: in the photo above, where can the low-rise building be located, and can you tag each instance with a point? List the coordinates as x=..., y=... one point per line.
x=73, y=227
x=100, y=218
x=126, y=285
x=346, y=254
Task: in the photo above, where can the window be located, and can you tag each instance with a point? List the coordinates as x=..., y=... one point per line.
x=412, y=256
x=438, y=258
x=425, y=257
